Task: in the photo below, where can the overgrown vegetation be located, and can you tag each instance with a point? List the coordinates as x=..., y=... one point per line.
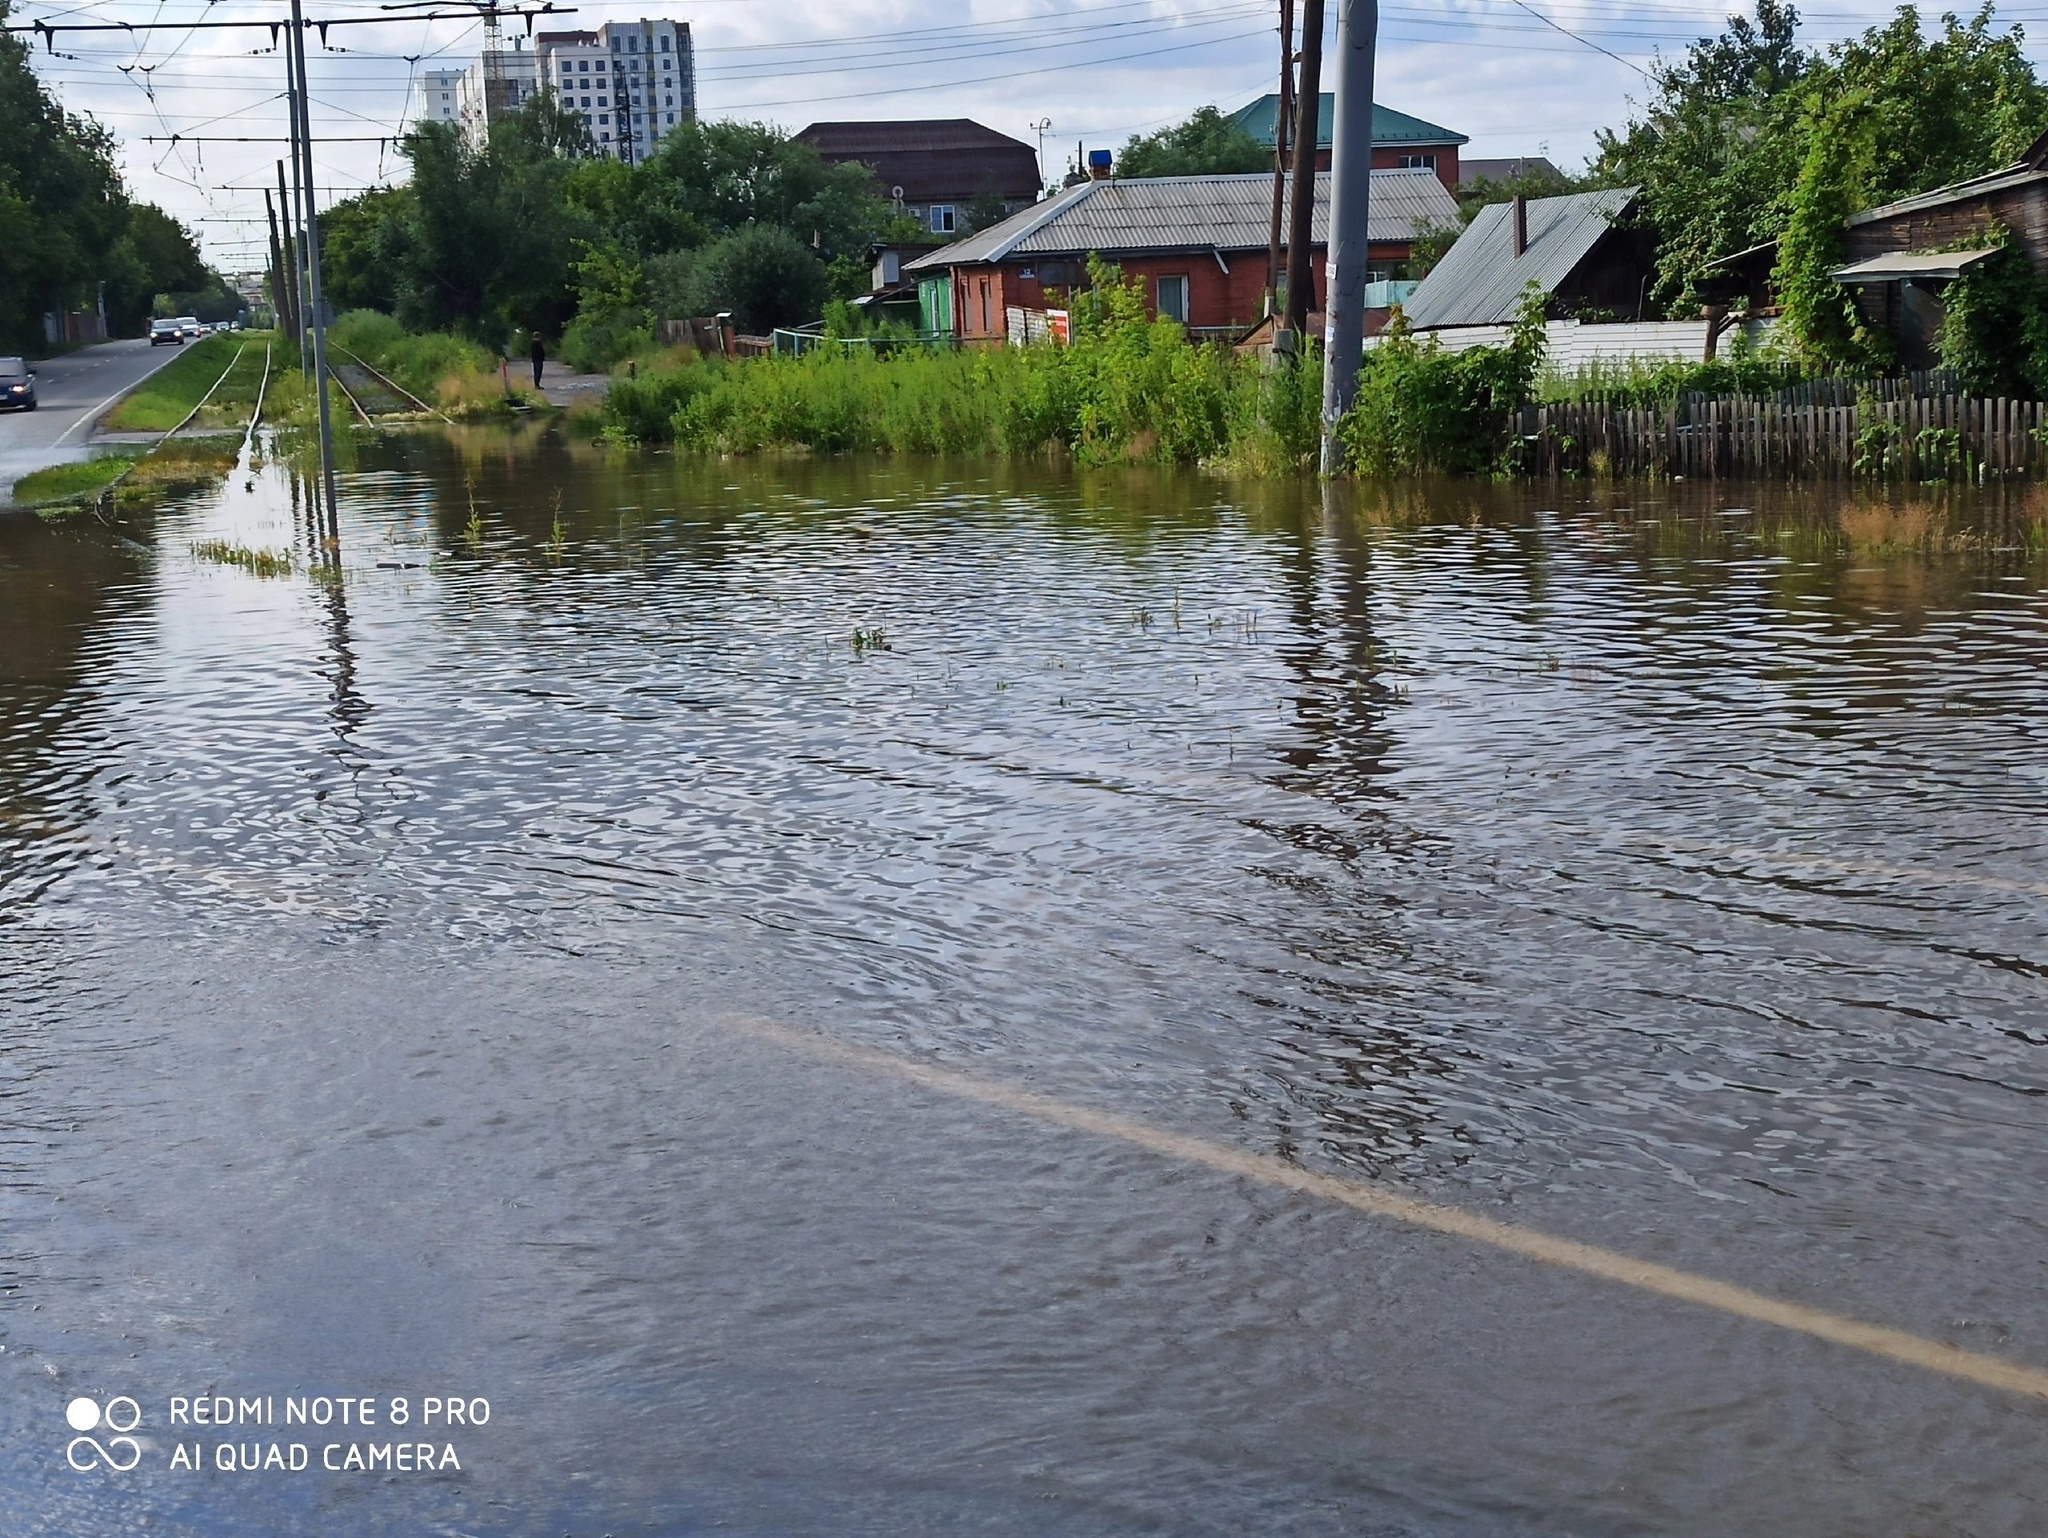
x=1994, y=330
x=164, y=399
x=450, y=372
x=1733, y=129
x=1206, y=144
x=258, y=563
x=79, y=482
x=1422, y=408
x=1128, y=388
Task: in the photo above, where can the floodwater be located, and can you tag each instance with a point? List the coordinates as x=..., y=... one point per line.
x=450, y=979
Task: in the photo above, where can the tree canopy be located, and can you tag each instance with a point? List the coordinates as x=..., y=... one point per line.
x=1720, y=146
x=1207, y=144
x=66, y=222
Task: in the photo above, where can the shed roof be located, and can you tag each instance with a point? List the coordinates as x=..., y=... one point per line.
x=931, y=158
x=1480, y=280
x=1187, y=213
x=1894, y=266
x=1388, y=126
x=1955, y=192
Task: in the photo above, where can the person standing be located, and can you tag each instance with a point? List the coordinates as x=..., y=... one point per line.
x=540, y=356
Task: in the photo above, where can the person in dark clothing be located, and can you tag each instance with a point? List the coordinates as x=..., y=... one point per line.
x=540, y=356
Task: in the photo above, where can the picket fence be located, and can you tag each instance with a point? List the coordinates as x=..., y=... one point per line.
x=1909, y=436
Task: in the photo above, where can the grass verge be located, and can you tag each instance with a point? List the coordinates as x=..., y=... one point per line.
x=78, y=482
x=161, y=401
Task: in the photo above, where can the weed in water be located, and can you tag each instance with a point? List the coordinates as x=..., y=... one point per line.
x=473, y=531
x=871, y=641
x=258, y=563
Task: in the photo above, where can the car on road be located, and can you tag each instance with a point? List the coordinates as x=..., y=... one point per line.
x=17, y=385
x=189, y=324
x=161, y=331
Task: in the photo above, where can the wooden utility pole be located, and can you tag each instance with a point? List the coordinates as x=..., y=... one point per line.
x=1282, y=119
x=1308, y=114
x=277, y=299
x=292, y=317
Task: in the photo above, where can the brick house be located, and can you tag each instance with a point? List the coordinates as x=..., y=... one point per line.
x=1199, y=243
x=931, y=169
x=1399, y=142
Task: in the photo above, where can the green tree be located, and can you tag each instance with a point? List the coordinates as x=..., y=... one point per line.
x=1819, y=312
x=1727, y=134
x=764, y=275
x=1207, y=144
x=357, y=266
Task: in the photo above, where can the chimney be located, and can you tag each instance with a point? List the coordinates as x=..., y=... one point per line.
x=1098, y=165
x=1521, y=223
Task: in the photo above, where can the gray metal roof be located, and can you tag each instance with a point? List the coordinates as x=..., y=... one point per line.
x=1895, y=265
x=1185, y=213
x=1480, y=280
x=1996, y=181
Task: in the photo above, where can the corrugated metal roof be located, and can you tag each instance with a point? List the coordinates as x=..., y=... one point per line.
x=1997, y=181
x=1480, y=280
x=1388, y=126
x=1895, y=265
x=1186, y=213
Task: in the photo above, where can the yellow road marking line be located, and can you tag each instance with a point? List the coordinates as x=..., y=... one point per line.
x=1587, y=1259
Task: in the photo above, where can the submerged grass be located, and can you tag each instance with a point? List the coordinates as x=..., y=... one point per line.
x=458, y=376
x=164, y=399
x=258, y=563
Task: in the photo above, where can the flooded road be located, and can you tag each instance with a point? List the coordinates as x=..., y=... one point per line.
x=802, y=985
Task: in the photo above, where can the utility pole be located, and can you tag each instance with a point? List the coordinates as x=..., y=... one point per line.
x=296, y=216
x=276, y=261
x=1308, y=114
x=293, y=317
x=1358, y=24
x=318, y=316
x=1283, y=117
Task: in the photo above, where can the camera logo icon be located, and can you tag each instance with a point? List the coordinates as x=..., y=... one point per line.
x=120, y=1452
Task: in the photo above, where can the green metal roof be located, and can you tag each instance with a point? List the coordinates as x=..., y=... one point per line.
x=1388, y=126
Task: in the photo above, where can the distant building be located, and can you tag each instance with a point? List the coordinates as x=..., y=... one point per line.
x=1399, y=142
x=1585, y=253
x=436, y=97
x=1514, y=168
x=632, y=82
x=1199, y=244
x=499, y=83
x=931, y=169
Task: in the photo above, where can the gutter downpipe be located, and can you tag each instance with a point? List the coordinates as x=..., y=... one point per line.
x=1350, y=214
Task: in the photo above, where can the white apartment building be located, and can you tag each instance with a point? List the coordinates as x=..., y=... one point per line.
x=436, y=97
x=630, y=81
x=500, y=82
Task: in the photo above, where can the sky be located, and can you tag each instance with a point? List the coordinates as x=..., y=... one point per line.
x=1519, y=78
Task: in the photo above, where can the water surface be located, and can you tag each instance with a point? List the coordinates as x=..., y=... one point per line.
x=381, y=945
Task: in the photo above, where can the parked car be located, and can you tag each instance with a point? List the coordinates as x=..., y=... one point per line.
x=161, y=331
x=17, y=385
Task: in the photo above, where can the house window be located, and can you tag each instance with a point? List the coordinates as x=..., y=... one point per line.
x=604, y=117
x=1173, y=298
x=1418, y=162
x=942, y=218
x=664, y=49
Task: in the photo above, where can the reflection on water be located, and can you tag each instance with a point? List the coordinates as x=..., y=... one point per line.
x=1666, y=861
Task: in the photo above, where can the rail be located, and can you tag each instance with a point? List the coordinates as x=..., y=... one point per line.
x=391, y=384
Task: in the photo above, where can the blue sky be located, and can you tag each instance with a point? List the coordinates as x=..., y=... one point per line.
x=1096, y=70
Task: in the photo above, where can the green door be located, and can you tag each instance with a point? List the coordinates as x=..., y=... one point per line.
x=935, y=305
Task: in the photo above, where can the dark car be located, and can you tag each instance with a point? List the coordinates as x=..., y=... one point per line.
x=17, y=385
x=162, y=331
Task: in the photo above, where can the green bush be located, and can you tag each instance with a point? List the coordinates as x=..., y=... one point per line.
x=1421, y=408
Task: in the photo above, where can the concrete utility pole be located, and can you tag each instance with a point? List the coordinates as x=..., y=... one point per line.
x=295, y=217
x=1308, y=113
x=317, y=317
x=1358, y=23
x=1282, y=117
x=276, y=260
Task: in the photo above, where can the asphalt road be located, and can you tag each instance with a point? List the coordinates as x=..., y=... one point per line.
x=74, y=389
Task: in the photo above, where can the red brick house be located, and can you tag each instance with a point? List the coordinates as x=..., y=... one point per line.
x=1199, y=243
x=1399, y=142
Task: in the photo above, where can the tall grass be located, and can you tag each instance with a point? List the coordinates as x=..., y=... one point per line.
x=164, y=399
x=458, y=376
x=1127, y=389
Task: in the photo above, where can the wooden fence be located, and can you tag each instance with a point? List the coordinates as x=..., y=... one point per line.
x=1906, y=437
